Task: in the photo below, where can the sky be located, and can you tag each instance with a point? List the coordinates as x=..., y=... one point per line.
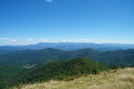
x=24, y=22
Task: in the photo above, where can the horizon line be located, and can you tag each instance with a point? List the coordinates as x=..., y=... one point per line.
x=66, y=42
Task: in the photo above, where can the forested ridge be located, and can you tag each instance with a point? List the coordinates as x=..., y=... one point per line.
x=59, y=70
x=28, y=57
x=6, y=73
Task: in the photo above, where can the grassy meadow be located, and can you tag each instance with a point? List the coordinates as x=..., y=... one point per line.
x=113, y=79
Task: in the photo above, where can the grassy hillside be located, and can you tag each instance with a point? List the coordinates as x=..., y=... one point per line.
x=59, y=70
x=120, y=79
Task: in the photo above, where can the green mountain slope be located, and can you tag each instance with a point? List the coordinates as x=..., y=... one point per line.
x=60, y=69
x=41, y=56
x=119, y=57
x=6, y=73
x=35, y=57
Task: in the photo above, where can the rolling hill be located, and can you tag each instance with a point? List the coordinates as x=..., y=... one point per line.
x=32, y=57
x=41, y=56
x=6, y=73
x=59, y=70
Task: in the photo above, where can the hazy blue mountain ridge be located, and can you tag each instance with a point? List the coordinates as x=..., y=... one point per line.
x=67, y=46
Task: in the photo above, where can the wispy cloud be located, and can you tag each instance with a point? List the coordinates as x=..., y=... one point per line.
x=8, y=39
x=31, y=39
x=36, y=40
x=96, y=40
x=48, y=0
x=43, y=40
x=86, y=40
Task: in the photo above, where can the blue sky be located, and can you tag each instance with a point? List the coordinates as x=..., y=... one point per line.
x=24, y=22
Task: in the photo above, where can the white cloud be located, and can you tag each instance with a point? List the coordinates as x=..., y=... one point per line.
x=3, y=38
x=95, y=40
x=36, y=40
x=12, y=40
x=8, y=39
x=62, y=40
x=82, y=39
x=48, y=0
x=85, y=40
x=43, y=40
x=31, y=39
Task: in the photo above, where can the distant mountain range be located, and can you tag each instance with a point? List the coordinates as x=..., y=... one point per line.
x=32, y=57
x=67, y=46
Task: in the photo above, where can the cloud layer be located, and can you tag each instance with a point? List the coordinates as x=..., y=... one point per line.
x=37, y=40
x=8, y=39
x=27, y=41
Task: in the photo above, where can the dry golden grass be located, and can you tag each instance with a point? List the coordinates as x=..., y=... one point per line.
x=121, y=79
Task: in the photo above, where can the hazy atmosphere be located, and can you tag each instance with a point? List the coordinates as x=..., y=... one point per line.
x=24, y=22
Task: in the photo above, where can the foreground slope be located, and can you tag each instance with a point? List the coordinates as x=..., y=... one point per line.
x=120, y=79
x=59, y=70
x=6, y=73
